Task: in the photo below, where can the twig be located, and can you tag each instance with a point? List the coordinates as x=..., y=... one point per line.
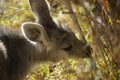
x=73, y=16
x=16, y=12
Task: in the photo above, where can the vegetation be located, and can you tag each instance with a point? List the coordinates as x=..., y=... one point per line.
x=94, y=21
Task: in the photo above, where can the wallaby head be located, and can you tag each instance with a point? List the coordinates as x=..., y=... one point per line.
x=55, y=47
x=62, y=37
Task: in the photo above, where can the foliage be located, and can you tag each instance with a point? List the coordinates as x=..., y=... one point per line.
x=99, y=22
x=14, y=13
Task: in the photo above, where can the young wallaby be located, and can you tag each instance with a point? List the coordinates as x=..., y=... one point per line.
x=37, y=42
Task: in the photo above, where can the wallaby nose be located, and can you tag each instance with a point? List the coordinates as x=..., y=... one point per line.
x=88, y=51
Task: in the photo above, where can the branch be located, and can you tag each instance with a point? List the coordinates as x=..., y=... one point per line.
x=73, y=16
x=18, y=11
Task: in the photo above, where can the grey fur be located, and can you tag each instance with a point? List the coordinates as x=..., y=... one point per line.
x=51, y=43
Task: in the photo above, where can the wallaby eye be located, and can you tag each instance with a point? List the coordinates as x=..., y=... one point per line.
x=68, y=47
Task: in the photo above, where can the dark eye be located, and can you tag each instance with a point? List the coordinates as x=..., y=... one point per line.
x=68, y=47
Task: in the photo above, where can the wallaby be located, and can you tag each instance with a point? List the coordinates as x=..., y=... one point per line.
x=36, y=43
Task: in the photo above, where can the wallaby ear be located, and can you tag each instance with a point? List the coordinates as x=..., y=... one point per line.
x=34, y=32
x=40, y=8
